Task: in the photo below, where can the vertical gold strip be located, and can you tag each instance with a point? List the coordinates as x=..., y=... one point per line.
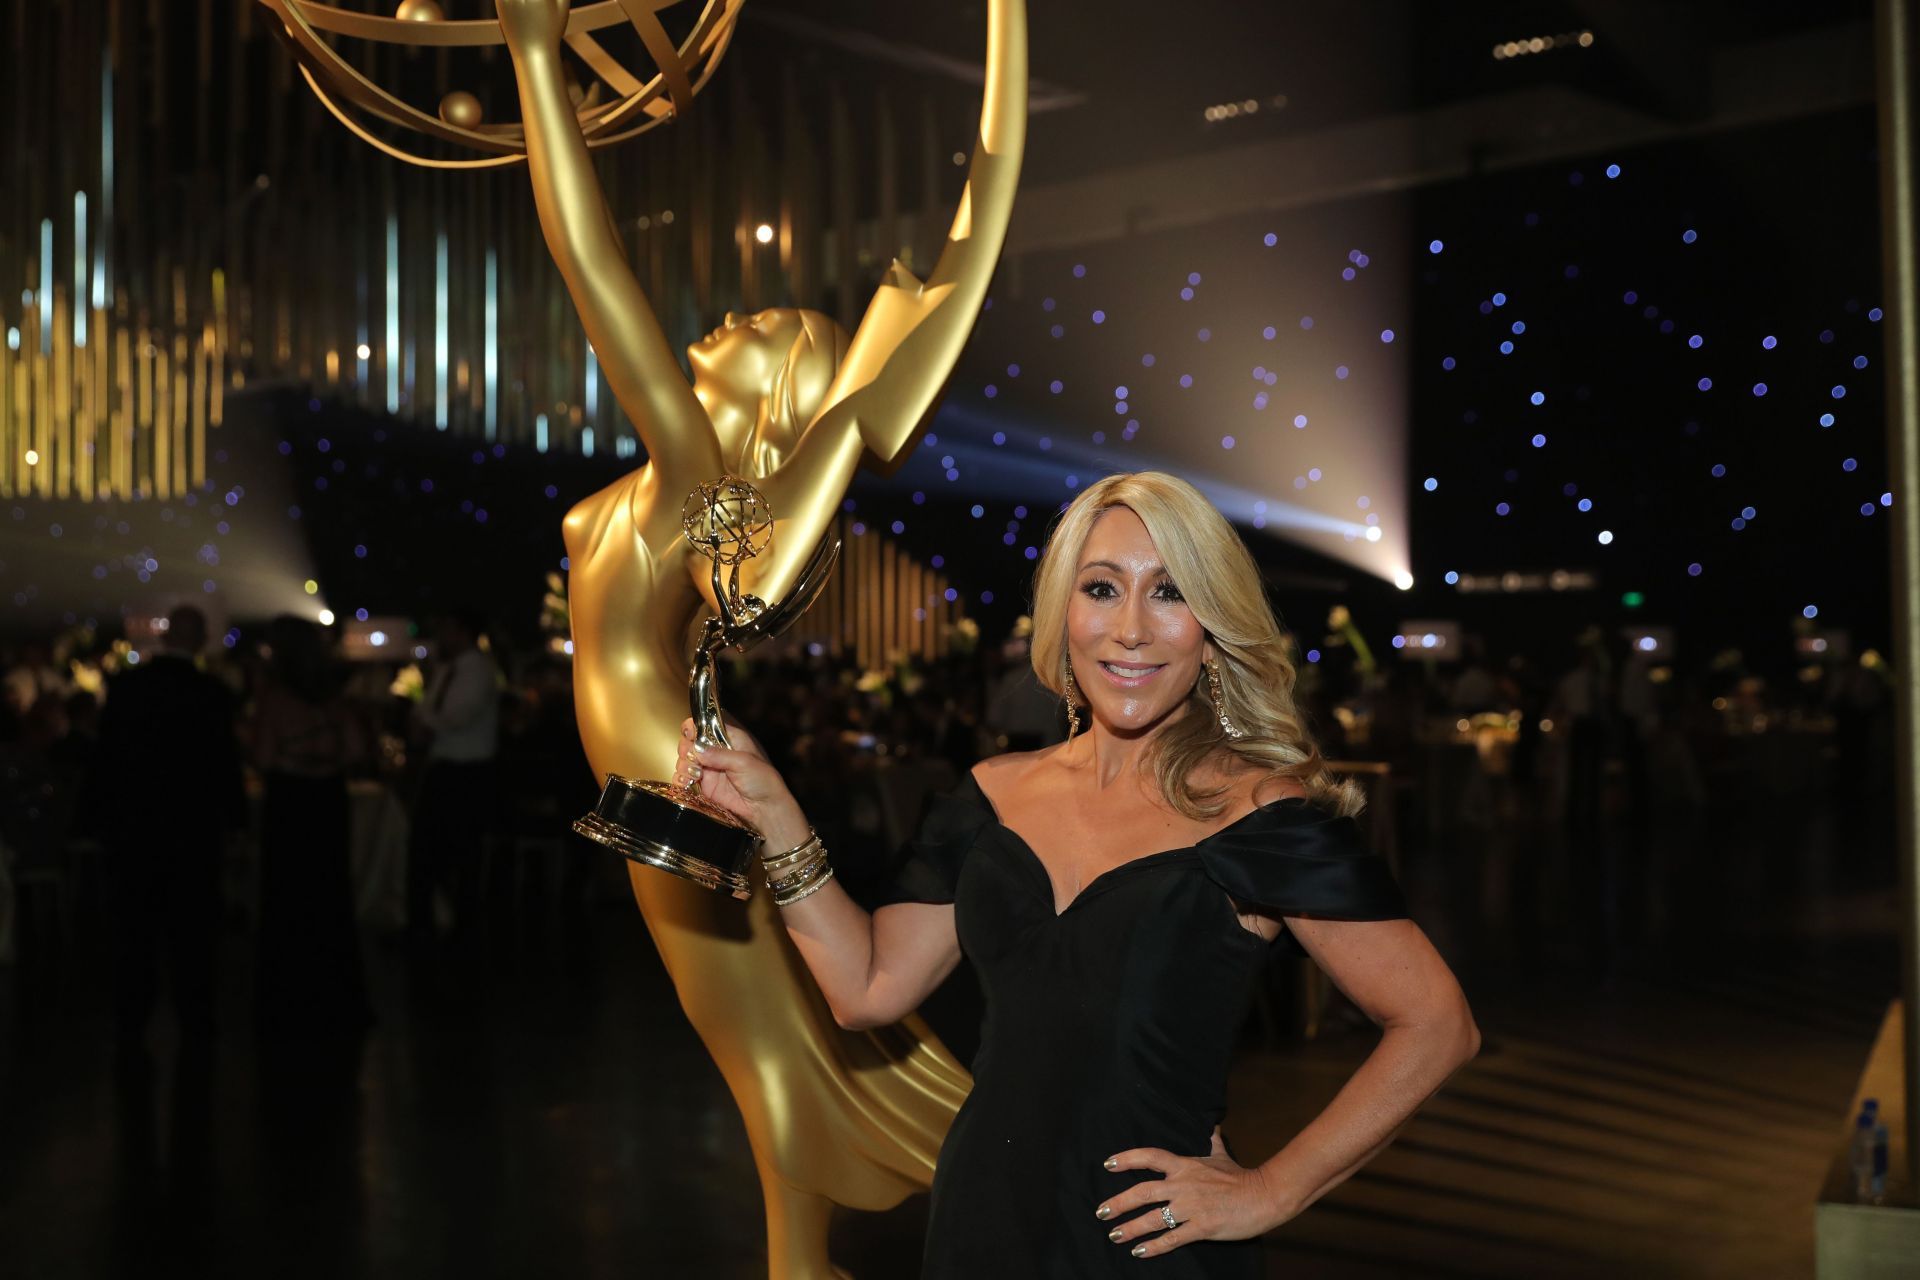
x=1895, y=34
x=60, y=424
x=9, y=442
x=181, y=401
x=197, y=400
x=123, y=412
x=84, y=363
x=219, y=335
x=105, y=331
x=159, y=466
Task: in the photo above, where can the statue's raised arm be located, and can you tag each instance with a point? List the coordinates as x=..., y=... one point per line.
x=907, y=343
x=900, y=358
x=633, y=353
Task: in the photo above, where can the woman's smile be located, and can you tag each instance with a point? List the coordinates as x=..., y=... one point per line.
x=1131, y=676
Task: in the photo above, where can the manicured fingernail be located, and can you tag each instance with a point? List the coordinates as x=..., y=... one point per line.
x=699, y=749
x=1139, y=1251
x=1104, y=1212
x=1116, y=1234
x=1112, y=1162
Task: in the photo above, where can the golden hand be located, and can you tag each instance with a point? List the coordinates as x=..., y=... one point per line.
x=531, y=24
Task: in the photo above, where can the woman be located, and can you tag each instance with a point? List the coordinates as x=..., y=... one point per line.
x=1115, y=893
x=304, y=741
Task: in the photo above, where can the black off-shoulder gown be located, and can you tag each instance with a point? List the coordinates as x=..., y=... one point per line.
x=1108, y=1026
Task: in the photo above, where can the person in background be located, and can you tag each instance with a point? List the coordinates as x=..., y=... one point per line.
x=33, y=677
x=1019, y=712
x=1474, y=689
x=305, y=741
x=168, y=765
x=459, y=717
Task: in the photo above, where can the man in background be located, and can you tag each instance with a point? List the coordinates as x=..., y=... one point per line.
x=459, y=717
x=170, y=794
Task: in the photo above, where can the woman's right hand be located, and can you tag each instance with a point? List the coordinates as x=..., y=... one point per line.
x=743, y=782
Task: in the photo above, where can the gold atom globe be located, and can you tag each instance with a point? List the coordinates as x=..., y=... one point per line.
x=616, y=105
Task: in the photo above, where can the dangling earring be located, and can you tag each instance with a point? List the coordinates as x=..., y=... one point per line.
x=1073, y=696
x=1220, y=700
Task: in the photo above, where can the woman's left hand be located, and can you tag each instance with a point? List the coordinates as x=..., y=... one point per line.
x=1212, y=1198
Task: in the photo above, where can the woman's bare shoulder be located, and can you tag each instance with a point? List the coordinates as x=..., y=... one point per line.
x=1010, y=770
x=1252, y=785
x=1269, y=787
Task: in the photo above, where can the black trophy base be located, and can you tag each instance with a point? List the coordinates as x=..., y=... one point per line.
x=660, y=825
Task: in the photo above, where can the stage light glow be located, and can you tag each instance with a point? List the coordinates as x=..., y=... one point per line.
x=763, y=233
x=326, y=617
x=440, y=331
x=79, y=268
x=393, y=313
x=490, y=350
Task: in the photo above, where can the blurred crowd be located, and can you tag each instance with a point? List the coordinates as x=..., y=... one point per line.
x=261, y=783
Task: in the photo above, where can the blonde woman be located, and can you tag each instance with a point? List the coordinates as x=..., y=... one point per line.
x=1116, y=894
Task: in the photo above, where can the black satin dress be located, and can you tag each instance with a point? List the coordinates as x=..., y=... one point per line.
x=1108, y=1026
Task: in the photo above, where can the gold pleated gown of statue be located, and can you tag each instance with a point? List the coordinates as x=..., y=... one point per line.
x=786, y=400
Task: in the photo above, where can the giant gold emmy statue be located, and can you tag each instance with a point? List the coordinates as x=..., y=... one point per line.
x=782, y=408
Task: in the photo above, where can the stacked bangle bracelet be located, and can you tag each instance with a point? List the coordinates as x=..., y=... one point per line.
x=798, y=872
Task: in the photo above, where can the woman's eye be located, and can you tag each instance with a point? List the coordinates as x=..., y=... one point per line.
x=1171, y=592
x=1099, y=588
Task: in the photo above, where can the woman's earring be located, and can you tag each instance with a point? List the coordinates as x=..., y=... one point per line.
x=1220, y=700
x=1073, y=696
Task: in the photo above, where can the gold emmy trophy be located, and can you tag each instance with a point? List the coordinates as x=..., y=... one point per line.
x=665, y=824
x=785, y=399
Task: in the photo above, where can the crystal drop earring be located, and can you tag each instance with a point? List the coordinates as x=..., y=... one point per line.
x=1072, y=696
x=1220, y=700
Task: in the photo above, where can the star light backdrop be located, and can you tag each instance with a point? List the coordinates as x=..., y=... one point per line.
x=1656, y=371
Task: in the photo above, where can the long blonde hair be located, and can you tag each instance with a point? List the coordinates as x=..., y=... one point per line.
x=1216, y=573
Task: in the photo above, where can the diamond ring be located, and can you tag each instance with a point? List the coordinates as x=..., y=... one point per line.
x=1166, y=1216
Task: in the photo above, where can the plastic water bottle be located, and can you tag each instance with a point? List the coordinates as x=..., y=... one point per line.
x=1860, y=1152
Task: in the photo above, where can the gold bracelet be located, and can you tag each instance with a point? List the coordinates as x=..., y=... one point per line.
x=797, y=876
x=810, y=889
x=792, y=855
x=777, y=870
x=799, y=853
x=805, y=871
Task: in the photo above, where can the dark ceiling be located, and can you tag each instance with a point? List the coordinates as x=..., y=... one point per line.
x=1139, y=74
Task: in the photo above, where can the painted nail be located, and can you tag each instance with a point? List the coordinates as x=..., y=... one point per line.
x=1112, y=1162
x=1139, y=1251
x=1104, y=1212
x=1116, y=1234
x=699, y=748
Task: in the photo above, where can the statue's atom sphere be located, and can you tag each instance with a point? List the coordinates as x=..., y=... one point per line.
x=727, y=519
x=615, y=107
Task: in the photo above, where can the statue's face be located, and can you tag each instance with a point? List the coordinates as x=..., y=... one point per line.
x=734, y=366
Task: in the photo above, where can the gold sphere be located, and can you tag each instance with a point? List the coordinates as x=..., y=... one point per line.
x=460, y=109
x=613, y=103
